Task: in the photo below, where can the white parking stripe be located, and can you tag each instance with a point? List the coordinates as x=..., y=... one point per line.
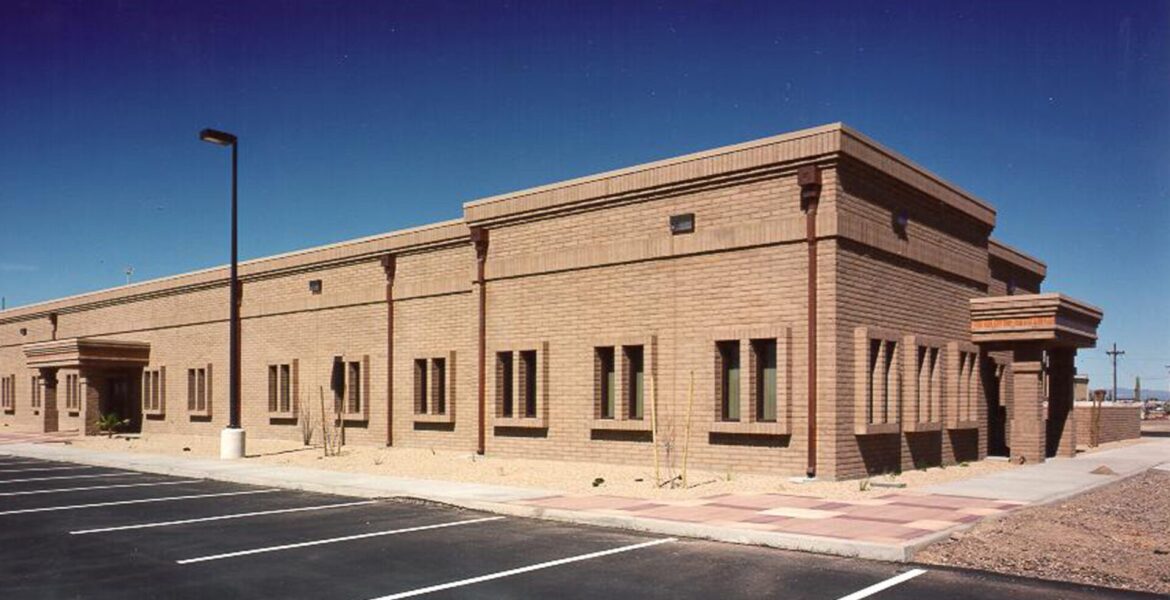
x=31, y=469
x=138, y=501
x=529, y=568
x=889, y=583
x=223, y=517
x=59, y=477
x=347, y=538
x=98, y=487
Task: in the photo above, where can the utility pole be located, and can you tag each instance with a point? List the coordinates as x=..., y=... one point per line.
x=1113, y=354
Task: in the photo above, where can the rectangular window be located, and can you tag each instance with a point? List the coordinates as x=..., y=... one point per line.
x=154, y=390
x=635, y=379
x=71, y=393
x=282, y=389
x=8, y=393
x=36, y=391
x=505, y=396
x=439, y=385
x=966, y=387
x=605, y=381
x=528, y=381
x=764, y=358
x=727, y=356
x=197, y=390
x=420, y=386
x=928, y=393
x=883, y=384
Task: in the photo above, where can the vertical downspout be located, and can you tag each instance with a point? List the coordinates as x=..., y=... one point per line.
x=809, y=179
x=479, y=237
x=390, y=266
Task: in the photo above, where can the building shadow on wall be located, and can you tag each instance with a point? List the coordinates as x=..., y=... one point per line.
x=881, y=454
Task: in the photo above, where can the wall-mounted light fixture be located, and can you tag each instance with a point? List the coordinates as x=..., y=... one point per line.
x=900, y=219
x=315, y=286
x=684, y=223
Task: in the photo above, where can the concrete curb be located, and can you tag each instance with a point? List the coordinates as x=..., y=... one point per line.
x=253, y=475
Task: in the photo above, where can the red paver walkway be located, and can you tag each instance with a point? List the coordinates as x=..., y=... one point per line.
x=888, y=519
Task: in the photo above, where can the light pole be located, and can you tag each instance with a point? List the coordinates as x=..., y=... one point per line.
x=231, y=440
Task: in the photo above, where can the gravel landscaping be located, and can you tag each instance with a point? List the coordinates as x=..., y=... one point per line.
x=1117, y=536
x=579, y=478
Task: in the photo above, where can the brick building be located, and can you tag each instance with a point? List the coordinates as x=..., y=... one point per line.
x=814, y=273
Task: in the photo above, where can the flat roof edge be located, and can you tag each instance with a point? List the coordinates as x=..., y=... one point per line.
x=431, y=233
x=1016, y=257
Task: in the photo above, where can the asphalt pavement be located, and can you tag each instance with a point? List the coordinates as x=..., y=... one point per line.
x=76, y=531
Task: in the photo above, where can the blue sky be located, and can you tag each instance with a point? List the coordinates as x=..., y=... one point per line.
x=357, y=118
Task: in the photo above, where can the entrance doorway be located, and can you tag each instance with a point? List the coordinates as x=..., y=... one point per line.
x=121, y=398
x=996, y=410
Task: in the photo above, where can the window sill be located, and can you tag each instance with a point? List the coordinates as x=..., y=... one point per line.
x=956, y=425
x=922, y=427
x=620, y=425
x=202, y=414
x=154, y=413
x=521, y=422
x=877, y=429
x=749, y=428
x=447, y=417
x=353, y=417
x=74, y=413
x=282, y=416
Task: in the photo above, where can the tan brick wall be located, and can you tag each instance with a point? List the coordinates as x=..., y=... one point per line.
x=1117, y=423
x=594, y=265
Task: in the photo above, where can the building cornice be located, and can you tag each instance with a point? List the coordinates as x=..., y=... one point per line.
x=312, y=259
x=790, y=149
x=1013, y=256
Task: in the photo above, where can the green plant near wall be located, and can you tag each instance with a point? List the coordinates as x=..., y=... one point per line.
x=109, y=423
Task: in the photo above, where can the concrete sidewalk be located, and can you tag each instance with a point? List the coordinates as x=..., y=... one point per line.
x=890, y=527
x=1059, y=478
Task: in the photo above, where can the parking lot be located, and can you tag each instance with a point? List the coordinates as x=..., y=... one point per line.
x=74, y=531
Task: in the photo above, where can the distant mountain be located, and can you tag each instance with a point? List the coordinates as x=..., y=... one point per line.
x=1146, y=394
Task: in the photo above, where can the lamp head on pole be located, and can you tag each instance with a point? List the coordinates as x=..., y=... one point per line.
x=221, y=138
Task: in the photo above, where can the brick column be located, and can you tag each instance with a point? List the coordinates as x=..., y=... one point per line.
x=1062, y=430
x=90, y=402
x=48, y=385
x=1028, y=432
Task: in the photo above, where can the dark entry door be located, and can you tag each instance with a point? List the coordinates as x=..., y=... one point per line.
x=996, y=411
x=122, y=400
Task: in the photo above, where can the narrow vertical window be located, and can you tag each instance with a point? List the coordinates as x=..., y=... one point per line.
x=439, y=385
x=420, y=386
x=635, y=379
x=154, y=391
x=874, y=388
x=528, y=374
x=504, y=383
x=606, y=381
x=201, y=389
x=355, y=387
x=764, y=352
x=285, y=388
x=273, y=387
x=729, y=379
x=192, y=402
x=893, y=383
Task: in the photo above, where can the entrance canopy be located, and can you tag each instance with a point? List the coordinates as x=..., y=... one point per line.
x=86, y=353
x=1049, y=320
